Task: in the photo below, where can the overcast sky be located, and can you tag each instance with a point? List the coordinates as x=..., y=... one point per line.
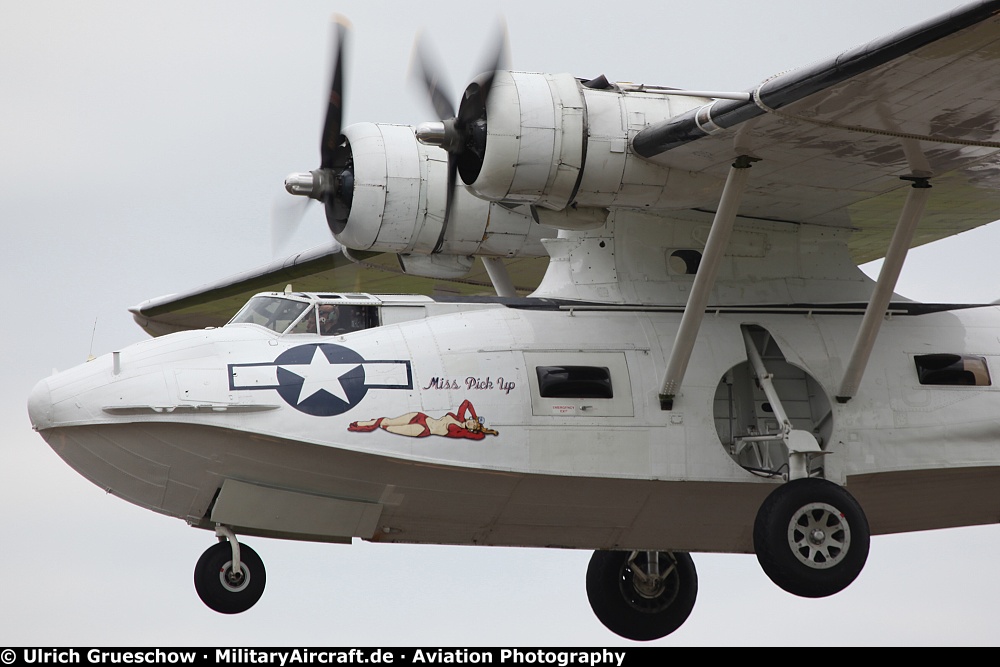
x=141, y=148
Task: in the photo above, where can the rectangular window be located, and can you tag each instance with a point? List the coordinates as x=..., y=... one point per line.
x=574, y=382
x=580, y=385
x=952, y=370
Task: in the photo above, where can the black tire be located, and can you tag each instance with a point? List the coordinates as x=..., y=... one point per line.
x=625, y=611
x=817, y=566
x=219, y=591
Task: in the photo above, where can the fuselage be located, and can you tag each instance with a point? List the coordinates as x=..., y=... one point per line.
x=533, y=424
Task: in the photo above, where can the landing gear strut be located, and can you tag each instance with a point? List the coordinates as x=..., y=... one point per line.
x=226, y=588
x=811, y=537
x=642, y=595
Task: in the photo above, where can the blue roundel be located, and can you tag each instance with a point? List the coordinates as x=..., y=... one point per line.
x=321, y=379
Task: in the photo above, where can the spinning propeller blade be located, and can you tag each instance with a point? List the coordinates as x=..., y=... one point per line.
x=286, y=218
x=333, y=182
x=335, y=107
x=463, y=134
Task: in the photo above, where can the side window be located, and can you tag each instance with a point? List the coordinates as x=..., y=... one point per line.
x=579, y=384
x=574, y=382
x=337, y=319
x=307, y=324
x=952, y=370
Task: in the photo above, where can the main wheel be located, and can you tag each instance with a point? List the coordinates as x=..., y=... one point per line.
x=811, y=537
x=223, y=590
x=632, y=603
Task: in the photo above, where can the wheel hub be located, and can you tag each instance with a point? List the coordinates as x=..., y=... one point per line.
x=819, y=536
x=234, y=581
x=645, y=591
x=648, y=588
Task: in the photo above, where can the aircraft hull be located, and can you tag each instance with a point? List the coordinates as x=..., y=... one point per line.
x=177, y=470
x=199, y=424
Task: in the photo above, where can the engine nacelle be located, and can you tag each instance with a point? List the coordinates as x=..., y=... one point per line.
x=399, y=196
x=552, y=142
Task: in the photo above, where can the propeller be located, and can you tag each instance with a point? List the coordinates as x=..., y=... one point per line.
x=333, y=182
x=286, y=218
x=462, y=134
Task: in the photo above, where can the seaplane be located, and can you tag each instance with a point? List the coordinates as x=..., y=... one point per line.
x=584, y=314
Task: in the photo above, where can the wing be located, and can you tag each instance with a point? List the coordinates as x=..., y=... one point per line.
x=323, y=269
x=834, y=138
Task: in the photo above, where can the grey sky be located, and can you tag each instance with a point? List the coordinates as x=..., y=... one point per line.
x=141, y=148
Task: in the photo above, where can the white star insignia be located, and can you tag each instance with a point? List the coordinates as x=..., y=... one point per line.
x=321, y=375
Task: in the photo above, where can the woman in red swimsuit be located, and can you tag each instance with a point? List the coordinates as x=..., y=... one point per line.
x=420, y=425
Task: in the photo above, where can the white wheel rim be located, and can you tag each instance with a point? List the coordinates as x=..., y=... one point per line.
x=819, y=536
x=224, y=577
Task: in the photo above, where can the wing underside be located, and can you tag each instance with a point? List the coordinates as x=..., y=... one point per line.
x=323, y=269
x=834, y=141
x=834, y=138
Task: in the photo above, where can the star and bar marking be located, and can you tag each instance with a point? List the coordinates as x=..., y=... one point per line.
x=321, y=379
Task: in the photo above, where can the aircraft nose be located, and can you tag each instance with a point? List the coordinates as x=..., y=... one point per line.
x=40, y=406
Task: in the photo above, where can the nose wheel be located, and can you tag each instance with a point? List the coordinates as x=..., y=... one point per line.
x=225, y=588
x=642, y=595
x=811, y=537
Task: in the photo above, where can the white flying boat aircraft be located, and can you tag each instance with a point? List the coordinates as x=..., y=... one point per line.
x=682, y=354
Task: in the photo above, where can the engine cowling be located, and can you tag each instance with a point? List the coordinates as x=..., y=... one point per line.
x=399, y=196
x=552, y=142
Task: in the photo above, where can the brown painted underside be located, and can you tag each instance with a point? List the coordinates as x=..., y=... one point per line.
x=177, y=470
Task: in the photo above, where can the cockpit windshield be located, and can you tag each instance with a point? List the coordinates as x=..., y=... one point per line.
x=285, y=315
x=275, y=313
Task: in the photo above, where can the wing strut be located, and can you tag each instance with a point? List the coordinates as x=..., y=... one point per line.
x=704, y=279
x=497, y=272
x=913, y=209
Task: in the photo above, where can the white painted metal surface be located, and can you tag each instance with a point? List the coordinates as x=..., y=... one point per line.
x=202, y=441
x=399, y=200
x=538, y=421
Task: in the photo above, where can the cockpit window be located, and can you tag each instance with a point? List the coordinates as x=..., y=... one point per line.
x=329, y=319
x=275, y=313
x=307, y=324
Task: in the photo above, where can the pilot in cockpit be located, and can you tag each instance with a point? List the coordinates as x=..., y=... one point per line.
x=329, y=320
x=336, y=320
